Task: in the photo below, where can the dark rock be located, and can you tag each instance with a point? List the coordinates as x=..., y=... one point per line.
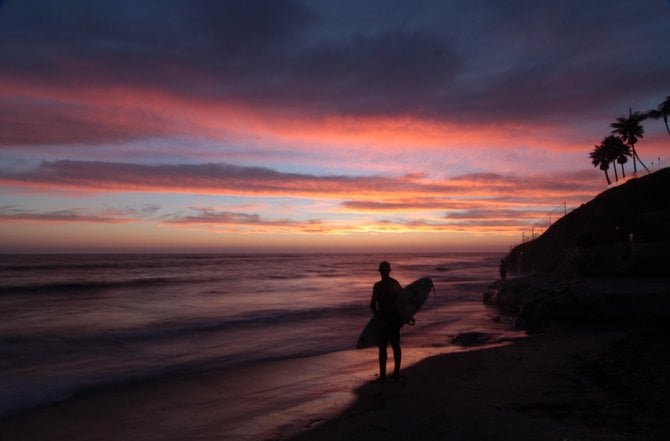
x=535, y=301
x=473, y=339
x=607, y=261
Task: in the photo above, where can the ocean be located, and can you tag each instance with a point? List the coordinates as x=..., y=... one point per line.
x=74, y=323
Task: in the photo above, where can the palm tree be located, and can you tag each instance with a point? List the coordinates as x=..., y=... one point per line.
x=616, y=151
x=662, y=111
x=622, y=157
x=599, y=158
x=630, y=130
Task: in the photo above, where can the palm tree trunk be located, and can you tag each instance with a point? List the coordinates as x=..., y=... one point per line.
x=638, y=158
x=665, y=119
x=623, y=173
x=616, y=175
x=634, y=160
x=607, y=176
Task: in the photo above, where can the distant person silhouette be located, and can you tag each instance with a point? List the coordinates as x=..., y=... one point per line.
x=383, y=304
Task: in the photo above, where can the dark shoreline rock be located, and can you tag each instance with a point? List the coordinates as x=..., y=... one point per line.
x=473, y=339
x=536, y=301
x=607, y=261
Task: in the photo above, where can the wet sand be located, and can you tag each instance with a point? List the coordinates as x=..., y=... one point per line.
x=568, y=384
x=595, y=384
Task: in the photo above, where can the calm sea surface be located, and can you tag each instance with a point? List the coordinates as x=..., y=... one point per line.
x=72, y=322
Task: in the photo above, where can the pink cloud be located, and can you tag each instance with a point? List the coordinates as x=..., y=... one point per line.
x=109, y=215
x=76, y=215
x=472, y=202
x=230, y=179
x=38, y=114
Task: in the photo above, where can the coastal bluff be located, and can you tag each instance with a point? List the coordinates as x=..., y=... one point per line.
x=607, y=261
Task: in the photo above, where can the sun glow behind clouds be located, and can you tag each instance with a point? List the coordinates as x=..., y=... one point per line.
x=261, y=207
x=405, y=189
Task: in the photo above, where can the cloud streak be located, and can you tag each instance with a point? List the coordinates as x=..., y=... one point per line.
x=227, y=221
x=13, y=214
x=260, y=181
x=409, y=203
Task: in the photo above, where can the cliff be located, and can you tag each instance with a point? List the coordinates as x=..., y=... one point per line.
x=622, y=231
x=607, y=261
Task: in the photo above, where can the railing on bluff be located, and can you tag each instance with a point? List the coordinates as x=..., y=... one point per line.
x=540, y=226
x=537, y=228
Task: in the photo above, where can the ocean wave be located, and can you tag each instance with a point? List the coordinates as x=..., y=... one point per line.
x=99, y=262
x=153, y=315
x=32, y=391
x=188, y=328
x=71, y=286
x=284, y=276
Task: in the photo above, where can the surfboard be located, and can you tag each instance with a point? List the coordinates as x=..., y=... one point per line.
x=409, y=301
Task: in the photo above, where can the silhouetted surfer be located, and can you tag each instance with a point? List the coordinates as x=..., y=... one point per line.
x=383, y=304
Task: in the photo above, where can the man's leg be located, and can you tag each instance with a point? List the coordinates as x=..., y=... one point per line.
x=397, y=358
x=397, y=353
x=382, y=360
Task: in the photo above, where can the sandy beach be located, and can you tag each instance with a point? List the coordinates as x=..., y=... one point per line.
x=595, y=384
x=574, y=384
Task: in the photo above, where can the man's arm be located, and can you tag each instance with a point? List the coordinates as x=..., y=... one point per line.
x=373, y=301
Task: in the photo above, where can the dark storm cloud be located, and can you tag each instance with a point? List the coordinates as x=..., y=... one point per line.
x=487, y=61
x=577, y=58
x=397, y=72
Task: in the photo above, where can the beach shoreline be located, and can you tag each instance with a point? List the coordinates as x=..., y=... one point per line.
x=578, y=383
x=247, y=402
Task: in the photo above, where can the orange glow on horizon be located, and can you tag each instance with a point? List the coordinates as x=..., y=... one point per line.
x=471, y=210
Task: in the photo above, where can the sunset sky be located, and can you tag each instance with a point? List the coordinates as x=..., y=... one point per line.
x=184, y=125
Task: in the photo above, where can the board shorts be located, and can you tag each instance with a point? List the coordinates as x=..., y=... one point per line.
x=388, y=330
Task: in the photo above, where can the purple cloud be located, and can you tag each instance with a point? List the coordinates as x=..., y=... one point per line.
x=521, y=62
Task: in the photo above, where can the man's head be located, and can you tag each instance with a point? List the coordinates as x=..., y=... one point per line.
x=385, y=268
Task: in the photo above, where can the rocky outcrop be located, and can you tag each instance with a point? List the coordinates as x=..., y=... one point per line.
x=538, y=301
x=607, y=261
x=474, y=339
